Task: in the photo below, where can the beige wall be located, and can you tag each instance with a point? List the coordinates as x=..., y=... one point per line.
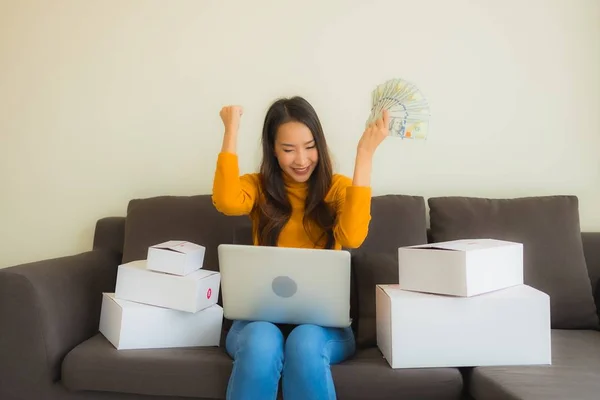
x=104, y=101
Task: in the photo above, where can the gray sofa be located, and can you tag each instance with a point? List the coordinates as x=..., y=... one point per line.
x=50, y=347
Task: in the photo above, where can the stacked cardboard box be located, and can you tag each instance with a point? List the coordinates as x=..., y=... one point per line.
x=166, y=300
x=462, y=304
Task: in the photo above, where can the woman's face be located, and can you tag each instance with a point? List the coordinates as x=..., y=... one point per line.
x=296, y=150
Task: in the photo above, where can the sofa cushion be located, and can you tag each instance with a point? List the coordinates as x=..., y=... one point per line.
x=369, y=270
x=368, y=376
x=396, y=220
x=591, y=249
x=574, y=373
x=96, y=365
x=549, y=229
x=194, y=218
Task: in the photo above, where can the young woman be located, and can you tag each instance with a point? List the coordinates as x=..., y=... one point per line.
x=294, y=201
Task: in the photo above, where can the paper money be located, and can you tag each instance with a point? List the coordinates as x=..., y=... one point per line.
x=408, y=108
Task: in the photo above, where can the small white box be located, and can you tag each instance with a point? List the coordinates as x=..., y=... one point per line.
x=506, y=327
x=461, y=267
x=175, y=257
x=130, y=325
x=192, y=292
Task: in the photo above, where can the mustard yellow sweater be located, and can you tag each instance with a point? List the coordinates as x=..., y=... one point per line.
x=237, y=195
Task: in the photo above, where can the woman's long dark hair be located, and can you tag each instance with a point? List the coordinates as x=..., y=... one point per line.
x=274, y=207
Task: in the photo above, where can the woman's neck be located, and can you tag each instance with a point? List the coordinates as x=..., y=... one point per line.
x=291, y=183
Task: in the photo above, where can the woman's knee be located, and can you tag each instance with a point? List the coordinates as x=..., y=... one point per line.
x=262, y=340
x=312, y=343
x=306, y=341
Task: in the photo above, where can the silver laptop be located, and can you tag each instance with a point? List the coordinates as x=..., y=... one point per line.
x=285, y=285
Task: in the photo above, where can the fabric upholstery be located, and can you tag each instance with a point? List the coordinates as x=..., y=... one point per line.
x=192, y=218
x=97, y=365
x=370, y=270
x=204, y=372
x=591, y=249
x=53, y=306
x=396, y=220
x=109, y=234
x=574, y=373
x=46, y=309
x=60, y=392
x=549, y=229
x=369, y=376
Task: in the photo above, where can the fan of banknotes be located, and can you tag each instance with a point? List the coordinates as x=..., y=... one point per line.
x=408, y=108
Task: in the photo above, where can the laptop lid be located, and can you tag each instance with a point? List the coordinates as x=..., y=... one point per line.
x=285, y=285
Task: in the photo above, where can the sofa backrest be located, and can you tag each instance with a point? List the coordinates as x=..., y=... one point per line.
x=591, y=248
x=397, y=220
x=554, y=256
x=193, y=218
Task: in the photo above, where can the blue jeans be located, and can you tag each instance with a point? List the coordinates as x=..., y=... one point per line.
x=262, y=355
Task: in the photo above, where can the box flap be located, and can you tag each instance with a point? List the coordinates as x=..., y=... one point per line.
x=389, y=289
x=199, y=274
x=129, y=305
x=196, y=275
x=463, y=245
x=395, y=291
x=123, y=303
x=178, y=246
x=139, y=264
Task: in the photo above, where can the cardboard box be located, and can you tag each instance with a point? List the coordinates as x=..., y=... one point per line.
x=175, y=257
x=506, y=327
x=130, y=325
x=461, y=267
x=192, y=292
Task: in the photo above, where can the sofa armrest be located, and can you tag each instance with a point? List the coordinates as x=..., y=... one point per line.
x=591, y=249
x=110, y=234
x=46, y=309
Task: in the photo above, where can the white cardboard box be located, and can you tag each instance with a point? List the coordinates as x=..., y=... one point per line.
x=175, y=257
x=192, y=292
x=461, y=267
x=506, y=327
x=130, y=325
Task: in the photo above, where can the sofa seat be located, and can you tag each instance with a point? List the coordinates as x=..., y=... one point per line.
x=574, y=373
x=368, y=376
x=95, y=365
